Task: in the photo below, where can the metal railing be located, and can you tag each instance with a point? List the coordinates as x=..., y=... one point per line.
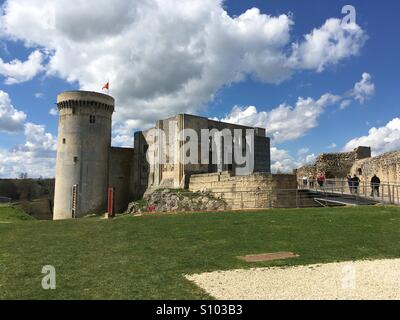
x=5, y=200
x=387, y=193
x=332, y=193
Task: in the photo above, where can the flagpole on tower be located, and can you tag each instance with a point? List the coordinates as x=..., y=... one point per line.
x=106, y=87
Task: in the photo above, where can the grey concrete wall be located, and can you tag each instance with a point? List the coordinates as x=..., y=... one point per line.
x=142, y=176
x=82, y=152
x=120, y=176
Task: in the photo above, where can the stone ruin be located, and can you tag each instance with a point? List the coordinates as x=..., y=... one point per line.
x=359, y=162
x=385, y=166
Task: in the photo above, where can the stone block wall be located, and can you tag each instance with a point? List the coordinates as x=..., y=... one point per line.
x=359, y=162
x=386, y=167
x=334, y=165
x=119, y=176
x=259, y=190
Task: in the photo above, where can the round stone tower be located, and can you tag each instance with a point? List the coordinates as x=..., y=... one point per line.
x=84, y=141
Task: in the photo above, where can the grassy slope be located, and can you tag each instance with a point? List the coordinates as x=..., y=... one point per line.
x=10, y=214
x=145, y=257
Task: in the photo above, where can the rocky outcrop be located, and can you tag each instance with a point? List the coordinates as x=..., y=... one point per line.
x=169, y=200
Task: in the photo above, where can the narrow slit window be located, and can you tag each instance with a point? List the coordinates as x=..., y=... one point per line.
x=75, y=159
x=64, y=141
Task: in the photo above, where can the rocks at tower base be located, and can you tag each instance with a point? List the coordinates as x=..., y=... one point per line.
x=168, y=200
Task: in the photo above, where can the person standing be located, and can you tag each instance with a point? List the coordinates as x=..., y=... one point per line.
x=311, y=181
x=375, y=185
x=356, y=183
x=305, y=182
x=350, y=183
x=321, y=180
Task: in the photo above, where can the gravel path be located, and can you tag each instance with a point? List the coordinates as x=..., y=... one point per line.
x=360, y=280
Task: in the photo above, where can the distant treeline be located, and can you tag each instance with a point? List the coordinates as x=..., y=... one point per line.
x=34, y=196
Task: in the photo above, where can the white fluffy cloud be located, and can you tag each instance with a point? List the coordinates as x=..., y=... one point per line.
x=53, y=112
x=164, y=57
x=328, y=45
x=381, y=140
x=285, y=122
x=365, y=89
x=17, y=71
x=283, y=162
x=35, y=157
x=11, y=119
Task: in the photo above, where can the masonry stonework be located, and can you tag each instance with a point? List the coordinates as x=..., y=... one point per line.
x=259, y=190
x=87, y=165
x=334, y=165
x=176, y=174
x=358, y=162
x=83, y=151
x=385, y=166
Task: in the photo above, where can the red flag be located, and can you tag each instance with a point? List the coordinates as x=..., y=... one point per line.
x=106, y=86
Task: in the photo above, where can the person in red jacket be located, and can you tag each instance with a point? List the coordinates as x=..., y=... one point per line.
x=321, y=180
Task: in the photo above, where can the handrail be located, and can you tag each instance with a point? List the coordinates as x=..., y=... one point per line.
x=5, y=200
x=388, y=193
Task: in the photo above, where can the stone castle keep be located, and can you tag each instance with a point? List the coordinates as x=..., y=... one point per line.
x=87, y=165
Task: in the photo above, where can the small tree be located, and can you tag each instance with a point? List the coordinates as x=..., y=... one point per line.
x=23, y=176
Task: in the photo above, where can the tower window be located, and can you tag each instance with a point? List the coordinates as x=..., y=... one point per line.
x=92, y=119
x=75, y=159
x=64, y=141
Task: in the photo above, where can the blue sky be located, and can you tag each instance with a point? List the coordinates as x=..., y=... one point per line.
x=90, y=65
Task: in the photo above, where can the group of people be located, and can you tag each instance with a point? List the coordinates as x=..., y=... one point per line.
x=310, y=181
x=354, y=185
x=353, y=182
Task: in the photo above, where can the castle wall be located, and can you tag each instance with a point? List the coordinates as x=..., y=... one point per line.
x=259, y=190
x=358, y=162
x=386, y=167
x=82, y=153
x=142, y=176
x=175, y=174
x=120, y=176
x=334, y=165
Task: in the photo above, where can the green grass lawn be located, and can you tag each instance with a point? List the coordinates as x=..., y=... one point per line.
x=146, y=257
x=9, y=214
